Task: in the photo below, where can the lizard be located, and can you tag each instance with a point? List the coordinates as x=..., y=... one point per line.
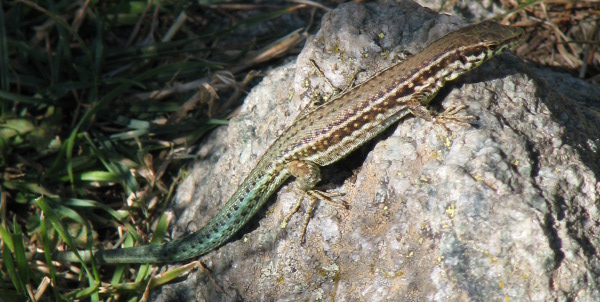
x=327, y=133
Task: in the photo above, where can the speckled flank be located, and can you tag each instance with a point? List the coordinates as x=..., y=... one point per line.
x=331, y=131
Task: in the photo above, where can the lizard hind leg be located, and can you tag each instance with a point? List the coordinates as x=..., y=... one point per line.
x=307, y=176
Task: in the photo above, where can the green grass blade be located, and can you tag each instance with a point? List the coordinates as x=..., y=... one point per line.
x=46, y=242
x=90, y=204
x=20, y=256
x=9, y=264
x=6, y=238
x=52, y=216
x=8, y=97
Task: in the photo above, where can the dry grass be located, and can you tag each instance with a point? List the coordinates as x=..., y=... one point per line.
x=561, y=34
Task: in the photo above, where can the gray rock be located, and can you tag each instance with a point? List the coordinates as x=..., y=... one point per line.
x=505, y=209
x=473, y=11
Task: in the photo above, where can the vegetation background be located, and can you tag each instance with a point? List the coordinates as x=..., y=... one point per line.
x=105, y=103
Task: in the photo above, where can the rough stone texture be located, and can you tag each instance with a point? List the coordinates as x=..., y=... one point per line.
x=506, y=209
x=473, y=11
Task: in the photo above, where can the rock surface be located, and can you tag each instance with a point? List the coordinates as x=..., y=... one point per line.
x=504, y=210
